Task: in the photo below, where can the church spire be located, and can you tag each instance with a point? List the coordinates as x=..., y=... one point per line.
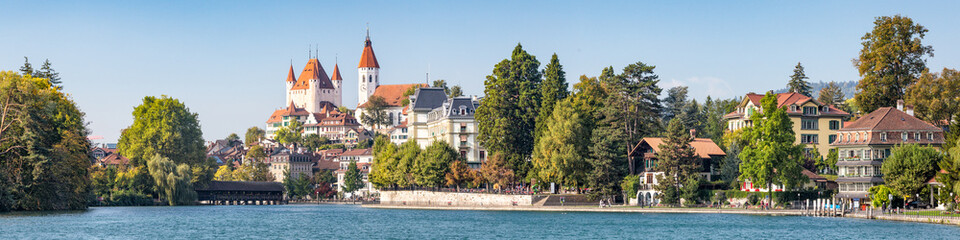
x=290, y=76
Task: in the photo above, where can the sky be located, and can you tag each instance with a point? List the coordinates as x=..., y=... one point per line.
x=227, y=60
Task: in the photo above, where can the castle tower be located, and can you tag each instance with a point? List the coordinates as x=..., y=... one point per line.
x=337, y=85
x=290, y=80
x=368, y=71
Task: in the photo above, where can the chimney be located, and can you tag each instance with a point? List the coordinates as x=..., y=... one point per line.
x=900, y=104
x=909, y=109
x=693, y=133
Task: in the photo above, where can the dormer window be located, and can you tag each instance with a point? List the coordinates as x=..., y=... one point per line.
x=903, y=136
x=930, y=136
x=916, y=136
x=809, y=110
x=883, y=137
x=825, y=109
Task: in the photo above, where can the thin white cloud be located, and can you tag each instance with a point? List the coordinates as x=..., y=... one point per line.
x=701, y=87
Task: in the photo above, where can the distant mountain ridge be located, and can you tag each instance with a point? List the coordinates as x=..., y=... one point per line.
x=849, y=88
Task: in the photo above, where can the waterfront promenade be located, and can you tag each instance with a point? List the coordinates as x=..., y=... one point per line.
x=619, y=209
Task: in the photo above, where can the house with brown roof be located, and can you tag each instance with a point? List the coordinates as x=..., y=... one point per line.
x=114, y=160
x=864, y=144
x=643, y=161
x=814, y=123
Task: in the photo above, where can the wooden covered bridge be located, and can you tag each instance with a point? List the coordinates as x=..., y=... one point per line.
x=241, y=193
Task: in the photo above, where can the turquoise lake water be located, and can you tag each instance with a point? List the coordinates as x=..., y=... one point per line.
x=354, y=222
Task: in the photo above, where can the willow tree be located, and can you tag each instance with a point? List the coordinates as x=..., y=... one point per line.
x=172, y=180
x=891, y=60
x=769, y=155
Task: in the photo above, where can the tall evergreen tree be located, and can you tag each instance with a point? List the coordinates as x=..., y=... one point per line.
x=46, y=71
x=507, y=115
x=677, y=160
x=798, y=84
x=27, y=68
x=674, y=102
x=352, y=179
x=891, y=60
x=552, y=90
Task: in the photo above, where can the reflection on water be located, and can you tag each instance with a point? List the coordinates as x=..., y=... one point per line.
x=354, y=222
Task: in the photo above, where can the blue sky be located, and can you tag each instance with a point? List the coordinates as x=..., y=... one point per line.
x=227, y=60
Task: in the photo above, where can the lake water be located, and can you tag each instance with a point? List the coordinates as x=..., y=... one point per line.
x=354, y=222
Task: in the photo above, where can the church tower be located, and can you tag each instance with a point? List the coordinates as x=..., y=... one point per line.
x=369, y=72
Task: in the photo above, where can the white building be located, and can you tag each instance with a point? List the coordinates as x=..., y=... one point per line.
x=364, y=160
x=454, y=123
x=283, y=160
x=368, y=74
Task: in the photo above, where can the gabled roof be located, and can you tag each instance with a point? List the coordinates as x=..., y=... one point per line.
x=358, y=152
x=889, y=118
x=290, y=76
x=115, y=159
x=392, y=94
x=786, y=99
x=368, y=59
x=291, y=110
x=428, y=98
x=703, y=146
x=336, y=73
x=313, y=70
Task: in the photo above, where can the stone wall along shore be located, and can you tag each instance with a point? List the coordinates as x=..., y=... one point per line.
x=430, y=198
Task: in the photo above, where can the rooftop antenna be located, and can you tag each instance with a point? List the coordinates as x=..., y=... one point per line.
x=368, y=31
x=428, y=73
x=309, y=52
x=318, y=52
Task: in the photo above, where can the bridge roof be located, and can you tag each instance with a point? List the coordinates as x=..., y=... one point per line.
x=243, y=186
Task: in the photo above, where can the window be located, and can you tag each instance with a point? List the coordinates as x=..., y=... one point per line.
x=825, y=109
x=808, y=124
x=483, y=155
x=833, y=138
x=916, y=136
x=463, y=140
x=883, y=137
x=463, y=127
x=903, y=136
x=834, y=125
x=856, y=137
x=840, y=137
x=808, y=138
x=809, y=110
x=930, y=136
x=463, y=154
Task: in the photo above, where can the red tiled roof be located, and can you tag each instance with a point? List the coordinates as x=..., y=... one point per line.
x=291, y=110
x=368, y=59
x=703, y=146
x=313, y=70
x=358, y=152
x=336, y=73
x=791, y=98
x=115, y=159
x=893, y=123
x=393, y=94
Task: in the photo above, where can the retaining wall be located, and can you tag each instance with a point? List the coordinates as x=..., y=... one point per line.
x=429, y=198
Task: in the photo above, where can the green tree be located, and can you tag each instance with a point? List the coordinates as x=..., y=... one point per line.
x=375, y=113
x=27, y=68
x=892, y=58
x=163, y=126
x=560, y=155
x=950, y=171
x=440, y=83
x=314, y=141
x=630, y=186
x=232, y=137
x=46, y=71
x=828, y=164
x=44, y=153
x=908, y=168
x=403, y=173
x=507, y=115
x=797, y=83
x=770, y=155
x=352, y=180
x=172, y=180
x=410, y=91
x=291, y=134
x=677, y=160
x=674, y=103
x=879, y=195
x=253, y=136
x=553, y=89
x=935, y=97
x=456, y=91
x=831, y=94
x=434, y=163
x=691, y=117
x=223, y=174
x=384, y=162
x=730, y=167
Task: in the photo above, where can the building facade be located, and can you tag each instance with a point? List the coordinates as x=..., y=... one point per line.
x=814, y=123
x=283, y=160
x=643, y=158
x=364, y=160
x=864, y=144
x=454, y=123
